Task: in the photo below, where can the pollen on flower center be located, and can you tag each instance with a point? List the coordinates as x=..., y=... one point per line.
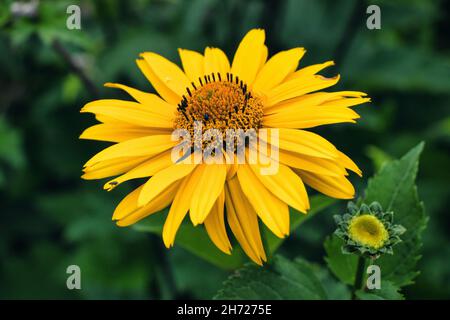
x=219, y=104
x=366, y=229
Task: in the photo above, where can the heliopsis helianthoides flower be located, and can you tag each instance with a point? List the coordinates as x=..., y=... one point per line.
x=251, y=93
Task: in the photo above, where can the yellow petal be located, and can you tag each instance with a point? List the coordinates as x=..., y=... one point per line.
x=145, y=146
x=163, y=179
x=303, y=142
x=216, y=61
x=208, y=185
x=309, y=100
x=337, y=187
x=128, y=111
x=297, y=87
x=146, y=169
x=312, y=164
x=192, y=62
x=150, y=100
x=285, y=185
x=243, y=222
x=119, y=132
x=248, y=56
x=159, y=85
x=277, y=68
x=128, y=212
x=263, y=59
x=108, y=120
x=167, y=72
x=272, y=211
x=309, y=70
x=308, y=117
x=177, y=212
x=345, y=102
x=215, y=225
x=231, y=163
x=111, y=167
x=349, y=164
x=232, y=169
x=127, y=205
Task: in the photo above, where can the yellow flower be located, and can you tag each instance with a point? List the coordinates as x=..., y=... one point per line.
x=367, y=230
x=252, y=92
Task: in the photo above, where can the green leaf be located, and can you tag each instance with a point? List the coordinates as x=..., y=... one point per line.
x=378, y=156
x=317, y=202
x=394, y=188
x=342, y=265
x=182, y=264
x=440, y=129
x=388, y=291
x=71, y=87
x=11, y=145
x=335, y=289
x=282, y=280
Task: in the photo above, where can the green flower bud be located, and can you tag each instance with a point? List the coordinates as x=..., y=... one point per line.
x=367, y=230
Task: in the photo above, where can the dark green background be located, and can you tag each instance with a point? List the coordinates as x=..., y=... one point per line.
x=50, y=218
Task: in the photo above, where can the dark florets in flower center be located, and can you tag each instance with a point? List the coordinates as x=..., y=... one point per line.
x=219, y=104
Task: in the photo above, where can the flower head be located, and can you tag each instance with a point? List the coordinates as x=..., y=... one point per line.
x=210, y=97
x=368, y=230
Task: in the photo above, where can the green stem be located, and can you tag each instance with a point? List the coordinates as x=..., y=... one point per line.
x=359, y=277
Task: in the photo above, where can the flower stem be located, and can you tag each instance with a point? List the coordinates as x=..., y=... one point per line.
x=76, y=68
x=359, y=277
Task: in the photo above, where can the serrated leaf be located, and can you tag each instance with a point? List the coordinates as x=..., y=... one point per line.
x=342, y=265
x=335, y=289
x=394, y=188
x=378, y=156
x=388, y=291
x=282, y=280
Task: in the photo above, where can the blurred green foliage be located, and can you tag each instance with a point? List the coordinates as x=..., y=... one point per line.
x=51, y=218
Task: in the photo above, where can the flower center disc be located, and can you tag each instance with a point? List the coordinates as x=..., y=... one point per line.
x=220, y=105
x=368, y=230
